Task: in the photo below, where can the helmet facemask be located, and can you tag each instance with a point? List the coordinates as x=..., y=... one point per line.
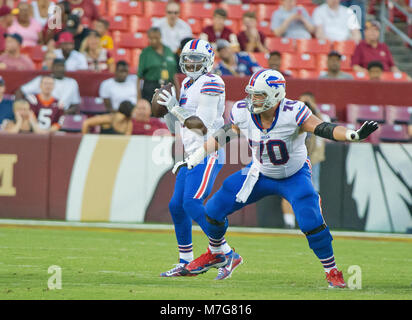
x=194, y=64
x=258, y=101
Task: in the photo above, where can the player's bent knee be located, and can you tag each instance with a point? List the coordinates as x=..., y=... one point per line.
x=175, y=207
x=319, y=237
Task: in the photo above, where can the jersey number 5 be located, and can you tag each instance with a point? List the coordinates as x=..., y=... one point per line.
x=276, y=150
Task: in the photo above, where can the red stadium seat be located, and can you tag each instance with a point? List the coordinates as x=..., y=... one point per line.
x=261, y=58
x=321, y=62
x=394, y=76
x=131, y=40
x=92, y=105
x=36, y=53
x=394, y=133
x=313, y=46
x=298, y=61
x=264, y=11
x=308, y=74
x=236, y=11
x=233, y=25
x=139, y=24
x=356, y=113
x=398, y=115
x=101, y=6
x=72, y=123
x=345, y=47
x=263, y=2
x=196, y=10
x=329, y=110
x=118, y=23
x=360, y=75
x=135, y=59
x=283, y=45
x=196, y=25
x=154, y=8
x=264, y=27
x=345, y=63
x=122, y=54
x=126, y=8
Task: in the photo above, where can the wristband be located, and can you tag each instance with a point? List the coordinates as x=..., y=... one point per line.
x=180, y=113
x=352, y=135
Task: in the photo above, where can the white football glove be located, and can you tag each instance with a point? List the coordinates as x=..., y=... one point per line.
x=191, y=161
x=168, y=99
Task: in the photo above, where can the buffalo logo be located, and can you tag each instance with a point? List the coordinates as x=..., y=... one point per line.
x=273, y=81
x=209, y=49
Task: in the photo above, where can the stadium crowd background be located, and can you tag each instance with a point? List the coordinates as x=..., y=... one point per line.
x=139, y=42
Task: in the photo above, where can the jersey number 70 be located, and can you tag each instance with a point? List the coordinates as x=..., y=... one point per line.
x=276, y=150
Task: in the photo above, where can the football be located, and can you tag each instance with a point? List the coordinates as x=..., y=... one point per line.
x=158, y=110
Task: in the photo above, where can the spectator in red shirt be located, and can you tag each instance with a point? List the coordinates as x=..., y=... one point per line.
x=371, y=49
x=6, y=20
x=12, y=59
x=217, y=30
x=143, y=124
x=85, y=9
x=251, y=39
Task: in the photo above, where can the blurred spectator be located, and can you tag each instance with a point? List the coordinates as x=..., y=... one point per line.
x=12, y=59
x=79, y=31
x=120, y=88
x=56, y=23
x=234, y=63
x=102, y=26
x=375, y=70
x=118, y=122
x=371, y=49
x=6, y=105
x=157, y=66
x=179, y=51
x=97, y=57
x=275, y=62
x=143, y=124
x=335, y=22
x=41, y=10
x=334, y=72
x=46, y=108
x=6, y=20
x=74, y=60
x=26, y=26
x=217, y=30
x=85, y=9
x=172, y=28
x=25, y=120
x=66, y=90
x=48, y=59
x=291, y=21
x=251, y=39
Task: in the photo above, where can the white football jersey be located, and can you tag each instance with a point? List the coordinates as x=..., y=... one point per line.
x=190, y=93
x=280, y=151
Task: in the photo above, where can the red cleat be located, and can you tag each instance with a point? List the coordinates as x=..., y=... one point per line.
x=205, y=262
x=335, y=279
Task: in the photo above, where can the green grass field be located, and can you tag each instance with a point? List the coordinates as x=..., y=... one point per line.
x=114, y=264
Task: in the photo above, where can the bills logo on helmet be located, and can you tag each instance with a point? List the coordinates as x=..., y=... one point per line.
x=209, y=49
x=273, y=81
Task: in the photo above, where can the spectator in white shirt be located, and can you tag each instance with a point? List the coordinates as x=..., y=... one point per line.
x=74, y=60
x=172, y=28
x=335, y=22
x=120, y=88
x=66, y=90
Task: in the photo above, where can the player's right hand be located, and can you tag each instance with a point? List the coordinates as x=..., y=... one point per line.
x=178, y=165
x=367, y=128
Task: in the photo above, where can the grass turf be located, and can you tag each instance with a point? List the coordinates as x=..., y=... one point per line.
x=113, y=264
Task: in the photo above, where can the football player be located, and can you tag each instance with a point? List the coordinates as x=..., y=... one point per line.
x=201, y=106
x=276, y=129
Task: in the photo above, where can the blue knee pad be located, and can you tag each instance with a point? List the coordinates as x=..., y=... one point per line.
x=320, y=240
x=216, y=229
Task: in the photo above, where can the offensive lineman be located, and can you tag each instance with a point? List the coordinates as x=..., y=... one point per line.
x=201, y=105
x=276, y=129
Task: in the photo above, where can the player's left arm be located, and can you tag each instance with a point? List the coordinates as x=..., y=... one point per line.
x=335, y=132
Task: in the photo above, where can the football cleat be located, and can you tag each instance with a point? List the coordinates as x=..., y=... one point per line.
x=177, y=271
x=233, y=261
x=206, y=261
x=335, y=279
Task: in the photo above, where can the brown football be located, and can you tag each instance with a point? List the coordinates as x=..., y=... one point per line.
x=158, y=110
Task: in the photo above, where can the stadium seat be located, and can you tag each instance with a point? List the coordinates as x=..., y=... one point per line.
x=236, y=11
x=313, y=46
x=345, y=63
x=398, y=115
x=264, y=27
x=265, y=11
x=394, y=76
x=233, y=25
x=139, y=24
x=196, y=25
x=126, y=8
x=321, y=62
x=283, y=45
x=329, y=110
x=122, y=54
x=131, y=40
x=154, y=8
x=135, y=59
x=261, y=58
x=394, y=133
x=360, y=75
x=36, y=53
x=118, y=23
x=196, y=10
x=345, y=47
x=308, y=74
x=359, y=113
x=298, y=61
x=92, y=106
x=101, y=6
x=72, y=123
x=262, y=2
